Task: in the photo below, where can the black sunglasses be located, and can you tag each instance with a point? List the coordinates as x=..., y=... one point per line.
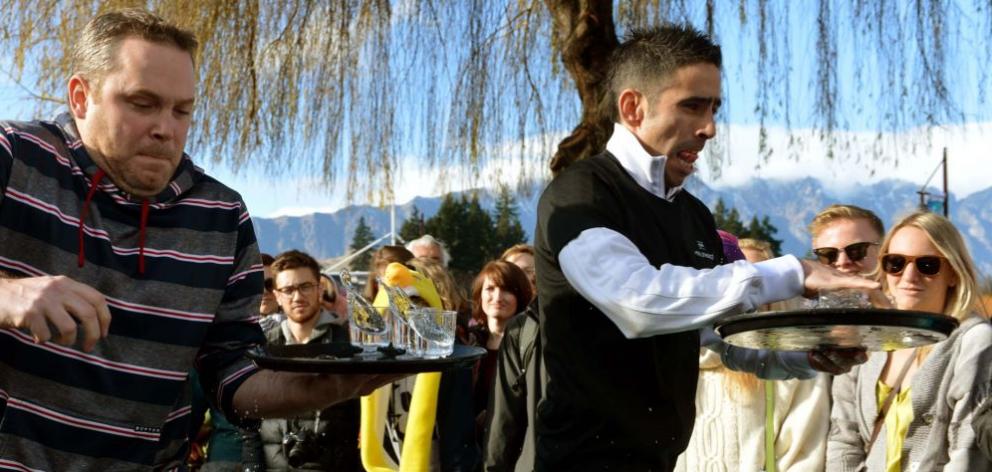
x=855, y=252
x=269, y=284
x=895, y=264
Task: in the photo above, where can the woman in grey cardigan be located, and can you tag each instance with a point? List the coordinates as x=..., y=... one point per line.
x=924, y=266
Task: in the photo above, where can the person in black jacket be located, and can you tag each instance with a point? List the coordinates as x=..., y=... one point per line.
x=621, y=253
x=508, y=442
x=519, y=384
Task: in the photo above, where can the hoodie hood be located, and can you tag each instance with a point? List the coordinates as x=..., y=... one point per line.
x=184, y=178
x=96, y=179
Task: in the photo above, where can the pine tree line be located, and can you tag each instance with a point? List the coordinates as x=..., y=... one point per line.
x=763, y=229
x=472, y=235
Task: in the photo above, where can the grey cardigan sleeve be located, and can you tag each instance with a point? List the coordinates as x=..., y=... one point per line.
x=982, y=424
x=972, y=374
x=845, y=445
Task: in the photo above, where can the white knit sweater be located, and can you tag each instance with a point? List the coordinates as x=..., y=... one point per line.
x=729, y=431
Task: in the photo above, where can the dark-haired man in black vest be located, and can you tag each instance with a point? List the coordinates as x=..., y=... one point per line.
x=629, y=271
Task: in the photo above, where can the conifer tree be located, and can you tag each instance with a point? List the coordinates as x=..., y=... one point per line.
x=729, y=220
x=362, y=237
x=507, y=230
x=766, y=231
x=413, y=227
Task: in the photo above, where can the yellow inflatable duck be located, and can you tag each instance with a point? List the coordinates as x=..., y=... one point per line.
x=413, y=283
x=416, y=452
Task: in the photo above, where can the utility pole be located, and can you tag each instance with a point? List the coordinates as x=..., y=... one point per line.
x=392, y=216
x=947, y=195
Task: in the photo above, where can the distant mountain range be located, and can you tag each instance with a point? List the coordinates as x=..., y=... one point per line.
x=790, y=205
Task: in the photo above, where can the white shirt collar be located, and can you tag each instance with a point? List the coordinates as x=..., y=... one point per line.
x=647, y=170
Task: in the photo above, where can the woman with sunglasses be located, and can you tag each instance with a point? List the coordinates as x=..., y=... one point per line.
x=924, y=266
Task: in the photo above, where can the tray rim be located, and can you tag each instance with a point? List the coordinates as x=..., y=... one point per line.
x=744, y=322
x=261, y=357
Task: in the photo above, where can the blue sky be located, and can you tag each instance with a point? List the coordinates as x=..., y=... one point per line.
x=910, y=151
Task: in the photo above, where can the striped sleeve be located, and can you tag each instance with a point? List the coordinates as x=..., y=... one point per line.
x=6, y=159
x=221, y=362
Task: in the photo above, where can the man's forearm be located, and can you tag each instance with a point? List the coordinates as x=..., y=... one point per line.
x=270, y=394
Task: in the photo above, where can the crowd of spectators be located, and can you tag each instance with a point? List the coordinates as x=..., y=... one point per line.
x=600, y=347
x=485, y=418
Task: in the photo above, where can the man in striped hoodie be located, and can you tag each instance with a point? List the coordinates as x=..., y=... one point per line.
x=124, y=266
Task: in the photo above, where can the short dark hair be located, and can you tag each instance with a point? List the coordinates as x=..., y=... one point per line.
x=267, y=260
x=94, y=55
x=507, y=277
x=294, y=259
x=647, y=57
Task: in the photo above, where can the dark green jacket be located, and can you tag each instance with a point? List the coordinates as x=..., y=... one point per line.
x=520, y=382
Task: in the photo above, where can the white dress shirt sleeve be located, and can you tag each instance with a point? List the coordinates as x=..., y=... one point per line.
x=607, y=269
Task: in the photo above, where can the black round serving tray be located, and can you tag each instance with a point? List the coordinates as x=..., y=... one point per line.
x=803, y=330
x=343, y=358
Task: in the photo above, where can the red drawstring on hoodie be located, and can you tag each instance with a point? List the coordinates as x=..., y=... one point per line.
x=141, y=228
x=82, y=214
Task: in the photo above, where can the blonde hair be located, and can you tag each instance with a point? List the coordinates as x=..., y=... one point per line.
x=756, y=245
x=517, y=249
x=844, y=212
x=94, y=55
x=451, y=295
x=962, y=298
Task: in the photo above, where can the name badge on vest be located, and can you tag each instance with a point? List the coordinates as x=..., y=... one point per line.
x=702, y=253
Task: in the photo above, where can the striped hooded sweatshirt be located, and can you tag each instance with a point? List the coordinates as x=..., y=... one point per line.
x=182, y=277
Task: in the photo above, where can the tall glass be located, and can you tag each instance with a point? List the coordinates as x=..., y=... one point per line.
x=368, y=327
x=400, y=305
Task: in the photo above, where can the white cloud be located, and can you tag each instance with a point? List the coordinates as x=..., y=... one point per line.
x=503, y=165
x=910, y=156
x=301, y=211
x=415, y=179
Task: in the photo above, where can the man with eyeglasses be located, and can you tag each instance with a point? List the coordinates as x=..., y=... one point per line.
x=298, y=291
x=847, y=237
x=327, y=441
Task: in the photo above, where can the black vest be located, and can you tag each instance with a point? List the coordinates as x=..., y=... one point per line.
x=614, y=402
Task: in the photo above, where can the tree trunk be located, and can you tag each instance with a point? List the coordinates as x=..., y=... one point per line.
x=585, y=34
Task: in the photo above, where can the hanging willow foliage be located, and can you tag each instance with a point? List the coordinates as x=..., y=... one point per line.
x=348, y=88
